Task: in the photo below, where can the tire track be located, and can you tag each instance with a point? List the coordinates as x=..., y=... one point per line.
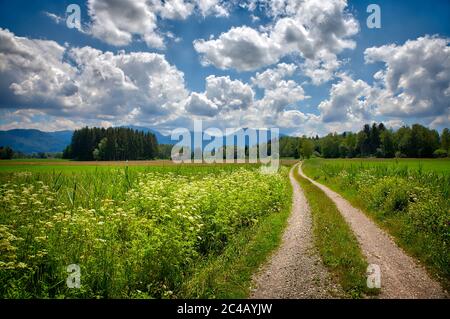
x=295, y=270
x=401, y=275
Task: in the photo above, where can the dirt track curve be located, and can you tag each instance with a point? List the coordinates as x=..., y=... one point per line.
x=401, y=275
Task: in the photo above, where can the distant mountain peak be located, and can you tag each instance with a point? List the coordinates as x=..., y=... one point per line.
x=35, y=141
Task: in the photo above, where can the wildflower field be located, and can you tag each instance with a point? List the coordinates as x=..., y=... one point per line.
x=410, y=198
x=135, y=232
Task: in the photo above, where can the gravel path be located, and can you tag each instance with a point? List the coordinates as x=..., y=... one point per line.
x=295, y=270
x=401, y=275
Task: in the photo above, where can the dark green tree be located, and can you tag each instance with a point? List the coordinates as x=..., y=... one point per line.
x=307, y=148
x=6, y=153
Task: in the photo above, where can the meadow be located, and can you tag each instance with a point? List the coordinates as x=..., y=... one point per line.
x=440, y=165
x=410, y=198
x=152, y=229
x=138, y=231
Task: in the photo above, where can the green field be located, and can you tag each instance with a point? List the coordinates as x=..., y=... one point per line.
x=152, y=229
x=69, y=167
x=136, y=232
x=410, y=198
x=412, y=164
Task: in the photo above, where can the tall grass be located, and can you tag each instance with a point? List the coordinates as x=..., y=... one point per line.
x=229, y=274
x=135, y=232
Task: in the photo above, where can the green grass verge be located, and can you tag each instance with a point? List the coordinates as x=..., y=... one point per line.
x=229, y=275
x=417, y=242
x=335, y=241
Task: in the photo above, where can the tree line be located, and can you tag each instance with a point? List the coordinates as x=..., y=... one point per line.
x=6, y=152
x=372, y=141
x=111, y=144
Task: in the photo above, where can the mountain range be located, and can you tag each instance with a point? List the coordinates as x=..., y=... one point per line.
x=30, y=141
x=35, y=141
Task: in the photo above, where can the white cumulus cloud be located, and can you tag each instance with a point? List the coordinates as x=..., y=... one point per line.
x=118, y=22
x=349, y=100
x=221, y=95
x=315, y=30
x=86, y=82
x=241, y=48
x=416, y=78
x=271, y=77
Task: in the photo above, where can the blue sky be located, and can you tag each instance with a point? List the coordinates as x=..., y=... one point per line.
x=295, y=101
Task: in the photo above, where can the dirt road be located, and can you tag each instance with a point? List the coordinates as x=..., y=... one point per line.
x=401, y=275
x=295, y=270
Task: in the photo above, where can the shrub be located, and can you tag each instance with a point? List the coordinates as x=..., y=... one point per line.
x=429, y=212
x=389, y=194
x=399, y=154
x=440, y=153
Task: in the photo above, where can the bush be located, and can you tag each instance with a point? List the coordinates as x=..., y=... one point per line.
x=6, y=152
x=440, y=153
x=429, y=213
x=399, y=154
x=390, y=195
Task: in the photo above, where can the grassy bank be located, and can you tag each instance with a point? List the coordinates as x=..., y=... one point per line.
x=335, y=241
x=409, y=199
